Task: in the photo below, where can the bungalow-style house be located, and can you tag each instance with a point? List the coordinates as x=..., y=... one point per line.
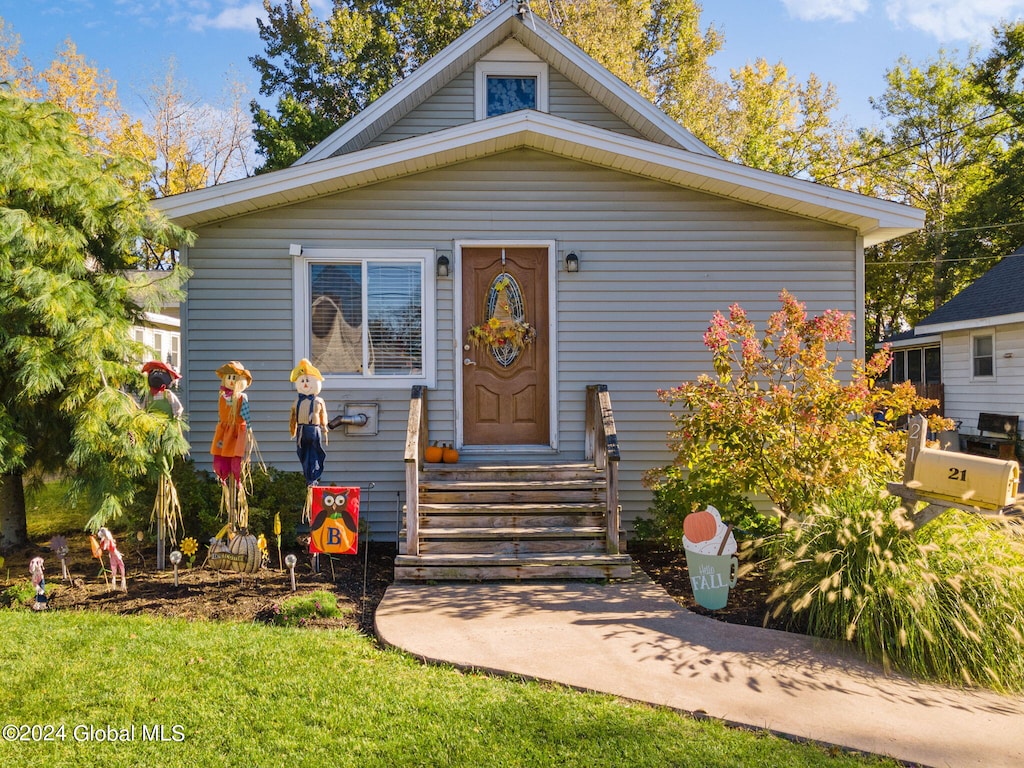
x=981, y=334
x=510, y=252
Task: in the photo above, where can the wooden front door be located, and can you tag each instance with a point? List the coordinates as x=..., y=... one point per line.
x=505, y=386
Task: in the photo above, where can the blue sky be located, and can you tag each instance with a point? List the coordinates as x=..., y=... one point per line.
x=850, y=43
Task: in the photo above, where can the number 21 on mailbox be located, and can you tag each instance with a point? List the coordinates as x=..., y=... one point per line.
x=335, y=527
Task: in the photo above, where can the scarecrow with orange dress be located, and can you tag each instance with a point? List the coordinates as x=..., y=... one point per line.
x=231, y=442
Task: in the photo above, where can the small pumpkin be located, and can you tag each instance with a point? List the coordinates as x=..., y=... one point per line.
x=449, y=455
x=434, y=453
x=700, y=526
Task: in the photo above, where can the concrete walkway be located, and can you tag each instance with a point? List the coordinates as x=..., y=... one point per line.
x=632, y=640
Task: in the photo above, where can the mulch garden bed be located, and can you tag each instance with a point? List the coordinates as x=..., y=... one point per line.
x=358, y=581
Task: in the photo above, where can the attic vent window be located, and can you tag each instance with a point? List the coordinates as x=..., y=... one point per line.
x=503, y=87
x=508, y=94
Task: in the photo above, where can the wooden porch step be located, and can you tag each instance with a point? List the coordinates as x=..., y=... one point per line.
x=500, y=471
x=461, y=515
x=485, y=567
x=508, y=494
x=567, y=532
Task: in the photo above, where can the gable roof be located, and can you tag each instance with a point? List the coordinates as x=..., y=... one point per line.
x=995, y=298
x=876, y=220
x=540, y=38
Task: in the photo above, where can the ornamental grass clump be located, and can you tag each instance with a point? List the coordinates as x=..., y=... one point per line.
x=943, y=602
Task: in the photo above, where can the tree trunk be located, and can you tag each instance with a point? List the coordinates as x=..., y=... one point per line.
x=13, y=526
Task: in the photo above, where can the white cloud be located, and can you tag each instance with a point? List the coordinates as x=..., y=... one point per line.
x=242, y=17
x=951, y=20
x=821, y=10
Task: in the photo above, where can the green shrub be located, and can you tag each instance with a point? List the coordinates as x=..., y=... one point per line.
x=20, y=594
x=295, y=611
x=945, y=601
x=199, y=492
x=276, y=492
x=782, y=415
x=675, y=496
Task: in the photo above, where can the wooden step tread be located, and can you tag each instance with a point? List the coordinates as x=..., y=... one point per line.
x=526, y=509
x=458, y=484
x=484, y=466
x=552, y=532
x=544, y=558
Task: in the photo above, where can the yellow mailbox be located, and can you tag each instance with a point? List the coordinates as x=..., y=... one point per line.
x=975, y=480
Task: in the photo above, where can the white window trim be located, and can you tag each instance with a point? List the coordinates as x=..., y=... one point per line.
x=301, y=293
x=991, y=333
x=537, y=69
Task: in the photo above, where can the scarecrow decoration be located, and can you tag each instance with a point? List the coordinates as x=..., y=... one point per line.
x=108, y=544
x=35, y=567
x=161, y=400
x=232, y=443
x=308, y=426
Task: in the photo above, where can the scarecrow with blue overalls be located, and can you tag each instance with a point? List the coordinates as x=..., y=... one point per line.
x=309, y=427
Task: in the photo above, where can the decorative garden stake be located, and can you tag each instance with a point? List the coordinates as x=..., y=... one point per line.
x=277, y=533
x=308, y=425
x=167, y=508
x=175, y=558
x=97, y=552
x=231, y=442
x=710, y=557
x=108, y=544
x=35, y=567
x=59, y=544
x=290, y=561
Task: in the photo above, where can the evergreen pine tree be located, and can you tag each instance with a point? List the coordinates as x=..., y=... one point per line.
x=70, y=235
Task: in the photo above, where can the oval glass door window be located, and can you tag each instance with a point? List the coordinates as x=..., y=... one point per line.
x=505, y=303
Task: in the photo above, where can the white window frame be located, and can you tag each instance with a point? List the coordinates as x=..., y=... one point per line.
x=484, y=69
x=302, y=292
x=981, y=334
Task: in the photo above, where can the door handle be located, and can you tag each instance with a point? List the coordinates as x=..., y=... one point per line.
x=467, y=361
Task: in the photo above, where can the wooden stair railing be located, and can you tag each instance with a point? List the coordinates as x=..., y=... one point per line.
x=415, y=446
x=602, y=447
x=488, y=519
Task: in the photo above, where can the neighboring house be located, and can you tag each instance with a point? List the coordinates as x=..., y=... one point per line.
x=160, y=331
x=511, y=151
x=982, y=340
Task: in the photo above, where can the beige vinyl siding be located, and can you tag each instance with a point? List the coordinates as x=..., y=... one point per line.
x=656, y=262
x=566, y=100
x=453, y=105
x=965, y=396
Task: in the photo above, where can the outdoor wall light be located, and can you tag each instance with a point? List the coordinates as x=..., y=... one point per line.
x=572, y=262
x=443, y=266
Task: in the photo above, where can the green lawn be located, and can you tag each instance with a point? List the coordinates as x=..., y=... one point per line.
x=254, y=695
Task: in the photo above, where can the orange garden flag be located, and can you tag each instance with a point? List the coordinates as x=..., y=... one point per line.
x=335, y=526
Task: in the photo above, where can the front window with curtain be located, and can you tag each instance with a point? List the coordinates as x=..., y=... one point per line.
x=366, y=317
